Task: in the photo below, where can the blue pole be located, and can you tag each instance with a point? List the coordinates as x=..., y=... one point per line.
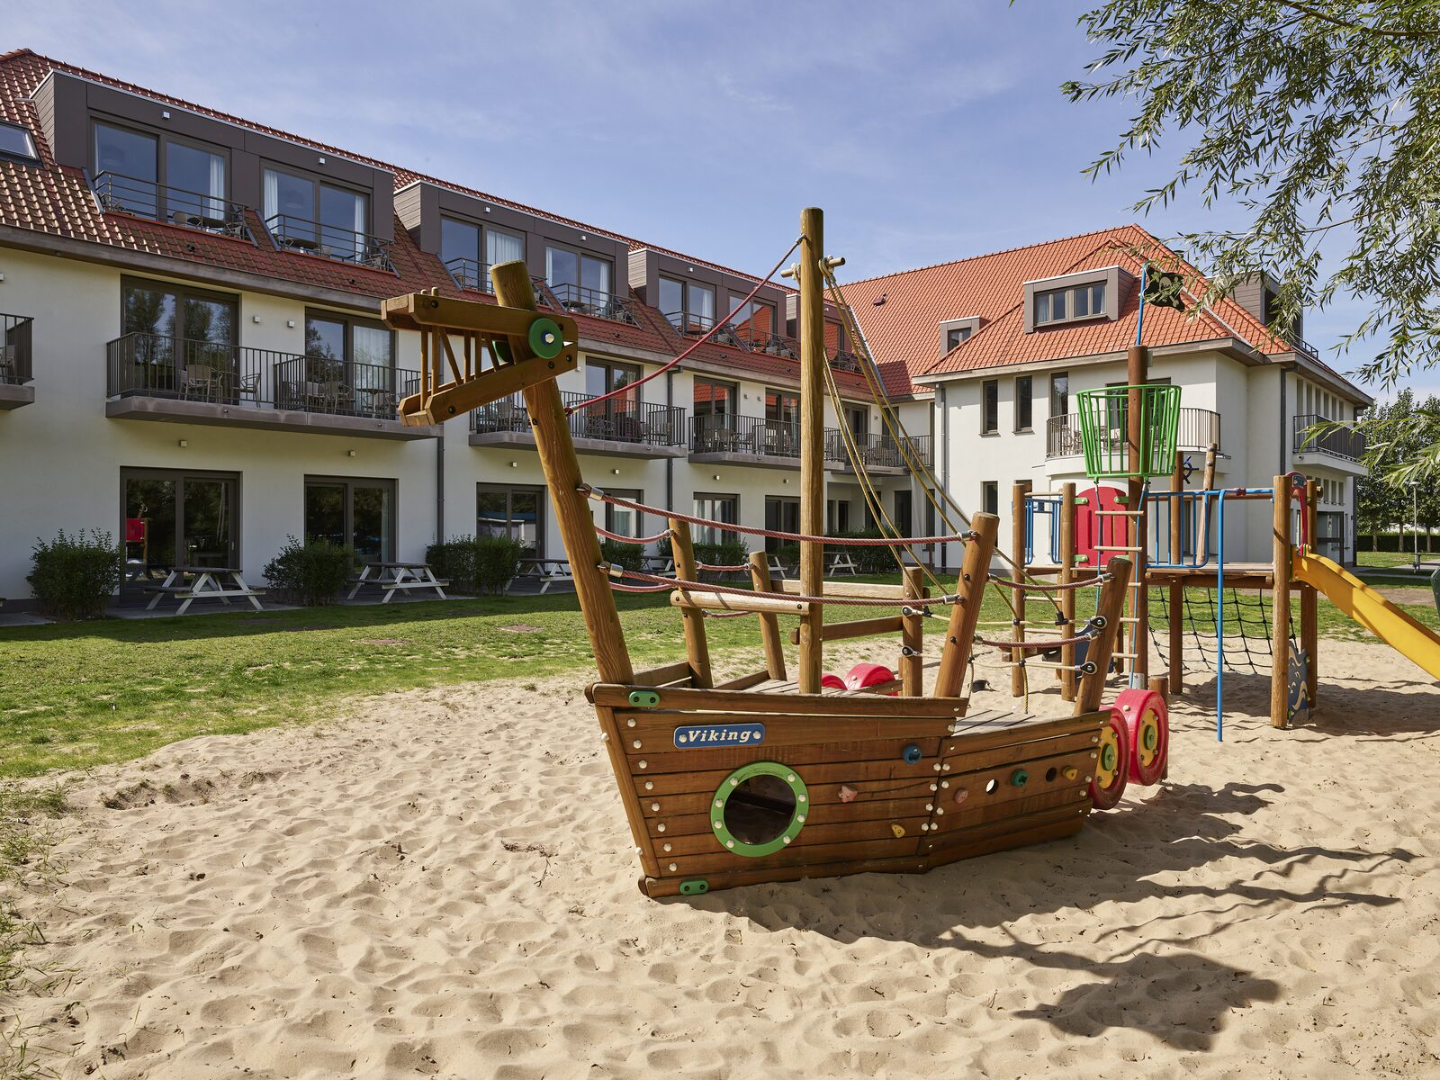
x=1140, y=318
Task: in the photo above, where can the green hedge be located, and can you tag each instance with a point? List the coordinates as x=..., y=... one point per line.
x=476, y=564
x=312, y=573
x=869, y=559
x=74, y=576
x=1389, y=542
x=630, y=556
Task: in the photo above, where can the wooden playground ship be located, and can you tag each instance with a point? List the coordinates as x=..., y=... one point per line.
x=768, y=778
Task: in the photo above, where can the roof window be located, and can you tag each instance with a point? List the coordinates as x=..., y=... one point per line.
x=17, y=144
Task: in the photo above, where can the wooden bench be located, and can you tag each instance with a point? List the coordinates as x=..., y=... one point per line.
x=206, y=583
x=401, y=577
x=546, y=571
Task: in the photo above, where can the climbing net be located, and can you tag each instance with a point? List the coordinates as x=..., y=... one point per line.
x=1246, y=646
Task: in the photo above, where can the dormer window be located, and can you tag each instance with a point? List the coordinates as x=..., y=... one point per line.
x=306, y=214
x=690, y=307
x=578, y=279
x=1089, y=294
x=468, y=260
x=17, y=144
x=954, y=332
x=955, y=335
x=165, y=178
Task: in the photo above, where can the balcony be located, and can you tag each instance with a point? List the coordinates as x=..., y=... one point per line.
x=880, y=454
x=469, y=274
x=762, y=341
x=842, y=360
x=15, y=361
x=618, y=427
x=119, y=194
x=291, y=233
x=1198, y=430
x=1344, y=443
x=578, y=300
x=154, y=377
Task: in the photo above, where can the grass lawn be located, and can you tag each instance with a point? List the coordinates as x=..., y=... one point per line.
x=1395, y=558
x=89, y=693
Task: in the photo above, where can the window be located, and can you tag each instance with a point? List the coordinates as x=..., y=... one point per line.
x=517, y=512
x=714, y=414
x=356, y=514
x=353, y=357
x=177, y=519
x=17, y=144
x=1060, y=393
x=956, y=334
x=159, y=176
x=753, y=321
x=857, y=419
x=782, y=406
x=178, y=341
x=615, y=417
x=781, y=515
x=603, y=376
x=837, y=516
x=1066, y=305
x=622, y=520
x=1022, y=403
x=989, y=407
x=689, y=307
x=724, y=508
x=990, y=497
x=503, y=247
x=460, y=252
x=311, y=215
x=576, y=277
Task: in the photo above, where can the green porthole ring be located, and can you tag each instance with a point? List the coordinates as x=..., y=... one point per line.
x=545, y=338
x=787, y=776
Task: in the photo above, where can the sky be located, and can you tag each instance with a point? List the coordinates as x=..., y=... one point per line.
x=928, y=131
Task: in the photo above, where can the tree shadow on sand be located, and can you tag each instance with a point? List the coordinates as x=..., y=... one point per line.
x=1160, y=985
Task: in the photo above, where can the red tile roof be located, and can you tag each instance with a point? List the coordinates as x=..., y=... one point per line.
x=900, y=313
x=57, y=200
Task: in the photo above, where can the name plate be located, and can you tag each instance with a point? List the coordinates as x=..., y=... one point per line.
x=706, y=736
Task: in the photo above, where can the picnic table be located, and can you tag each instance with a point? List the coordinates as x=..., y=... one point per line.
x=401, y=577
x=204, y=583
x=546, y=571
x=842, y=561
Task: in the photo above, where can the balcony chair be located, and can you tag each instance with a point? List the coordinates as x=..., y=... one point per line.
x=199, y=381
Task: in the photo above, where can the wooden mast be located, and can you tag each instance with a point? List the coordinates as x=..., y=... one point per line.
x=572, y=511
x=812, y=434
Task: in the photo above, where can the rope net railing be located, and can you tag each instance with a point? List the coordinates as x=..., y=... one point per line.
x=1247, y=647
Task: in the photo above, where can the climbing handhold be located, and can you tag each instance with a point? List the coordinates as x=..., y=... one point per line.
x=1071, y=772
x=961, y=795
x=847, y=793
x=911, y=754
x=1019, y=778
x=644, y=699
x=694, y=887
x=898, y=830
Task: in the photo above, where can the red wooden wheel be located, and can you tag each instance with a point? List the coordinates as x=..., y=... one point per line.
x=1148, y=723
x=832, y=681
x=1112, y=762
x=867, y=674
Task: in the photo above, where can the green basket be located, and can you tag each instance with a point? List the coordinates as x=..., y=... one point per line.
x=1104, y=419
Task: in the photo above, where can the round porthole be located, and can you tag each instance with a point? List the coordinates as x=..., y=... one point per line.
x=759, y=808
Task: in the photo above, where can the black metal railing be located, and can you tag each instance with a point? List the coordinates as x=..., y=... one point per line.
x=744, y=435
x=766, y=342
x=1314, y=433
x=155, y=365
x=120, y=194
x=1198, y=429
x=877, y=450
x=842, y=359
x=618, y=419
x=597, y=302
x=687, y=323
x=15, y=356
x=469, y=274
x=333, y=241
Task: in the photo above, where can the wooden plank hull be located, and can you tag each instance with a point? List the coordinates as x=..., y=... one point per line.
x=871, y=789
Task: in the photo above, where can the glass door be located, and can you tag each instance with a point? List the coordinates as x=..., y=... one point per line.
x=207, y=521
x=171, y=519
x=781, y=515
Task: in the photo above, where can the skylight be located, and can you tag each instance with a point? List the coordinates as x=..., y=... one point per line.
x=17, y=144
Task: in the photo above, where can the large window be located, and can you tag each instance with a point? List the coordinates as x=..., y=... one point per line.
x=1022, y=403
x=753, y=321
x=621, y=520
x=857, y=419
x=782, y=514
x=356, y=514
x=690, y=307
x=616, y=417
x=724, y=508
x=989, y=407
x=837, y=516
x=175, y=519
x=159, y=176
x=714, y=413
x=782, y=406
x=309, y=214
x=1065, y=305
x=577, y=277
x=603, y=376
x=353, y=356
x=468, y=252
x=1060, y=393
x=177, y=340
x=517, y=512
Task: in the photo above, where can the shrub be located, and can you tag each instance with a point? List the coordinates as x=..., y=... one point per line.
x=788, y=554
x=74, y=576
x=312, y=573
x=497, y=560
x=725, y=553
x=453, y=560
x=869, y=559
x=630, y=556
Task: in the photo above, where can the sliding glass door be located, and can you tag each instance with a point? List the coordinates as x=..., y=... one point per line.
x=171, y=518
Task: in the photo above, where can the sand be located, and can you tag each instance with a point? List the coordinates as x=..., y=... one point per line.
x=441, y=884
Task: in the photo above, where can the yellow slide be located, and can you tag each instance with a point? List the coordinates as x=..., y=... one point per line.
x=1367, y=607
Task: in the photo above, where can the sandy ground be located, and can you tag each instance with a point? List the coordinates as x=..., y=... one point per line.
x=442, y=885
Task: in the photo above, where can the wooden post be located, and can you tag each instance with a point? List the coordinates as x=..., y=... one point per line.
x=769, y=624
x=1309, y=601
x=912, y=637
x=1160, y=684
x=572, y=510
x=1177, y=591
x=1018, y=503
x=1111, y=606
x=697, y=648
x=812, y=433
x=960, y=636
x=1067, y=598
x=1207, y=483
x=1137, y=362
x=1280, y=608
